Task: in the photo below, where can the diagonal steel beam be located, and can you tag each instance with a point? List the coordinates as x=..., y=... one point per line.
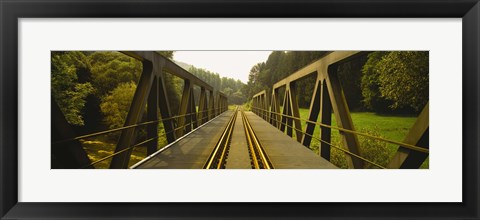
x=418, y=136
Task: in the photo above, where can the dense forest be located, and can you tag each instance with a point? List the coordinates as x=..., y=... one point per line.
x=228, y=86
x=382, y=82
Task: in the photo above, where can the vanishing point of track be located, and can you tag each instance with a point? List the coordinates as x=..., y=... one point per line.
x=219, y=156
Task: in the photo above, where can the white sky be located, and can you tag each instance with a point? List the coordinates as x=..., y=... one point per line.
x=232, y=64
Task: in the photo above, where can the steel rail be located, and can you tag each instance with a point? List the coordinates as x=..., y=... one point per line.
x=226, y=147
x=255, y=146
x=251, y=150
x=409, y=146
x=218, y=155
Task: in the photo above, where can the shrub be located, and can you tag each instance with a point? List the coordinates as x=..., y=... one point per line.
x=371, y=149
x=247, y=106
x=338, y=157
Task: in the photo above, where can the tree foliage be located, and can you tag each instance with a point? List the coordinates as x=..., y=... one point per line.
x=98, y=85
x=67, y=91
x=398, y=79
x=254, y=84
x=350, y=76
x=116, y=104
x=230, y=87
x=109, y=69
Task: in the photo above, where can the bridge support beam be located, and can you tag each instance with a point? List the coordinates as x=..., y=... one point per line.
x=295, y=113
x=275, y=109
x=326, y=119
x=184, y=104
x=164, y=106
x=152, y=115
x=313, y=113
x=134, y=115
x=211, y=106
x=201, y=107
x=342, y=116
x=193, y=110
x=418, y=136
x=283, y=119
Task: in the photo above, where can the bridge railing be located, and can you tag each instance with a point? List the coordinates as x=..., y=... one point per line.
x=328, y=96
x=150, y=93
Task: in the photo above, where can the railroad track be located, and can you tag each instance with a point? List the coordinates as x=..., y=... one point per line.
x=220, y=153
x=258, y=157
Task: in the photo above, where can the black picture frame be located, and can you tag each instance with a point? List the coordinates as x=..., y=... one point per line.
x=11, y=11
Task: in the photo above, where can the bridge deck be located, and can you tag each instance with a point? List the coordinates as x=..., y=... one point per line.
x=284, y=152
x=193, y=150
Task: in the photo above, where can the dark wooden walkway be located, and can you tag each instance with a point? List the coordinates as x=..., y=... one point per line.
x=193, y=150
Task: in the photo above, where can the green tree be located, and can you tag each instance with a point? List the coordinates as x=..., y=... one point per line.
x=69, y=94
x=350, y=75
x=116, y=104
x=398, y=78
x=115, y=76
x=370, y=85
x=109, y=69
x=254, y=84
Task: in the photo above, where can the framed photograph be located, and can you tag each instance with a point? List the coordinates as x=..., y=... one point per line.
x=227, y=109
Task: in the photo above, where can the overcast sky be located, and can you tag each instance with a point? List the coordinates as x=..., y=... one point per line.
x=232, y=64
